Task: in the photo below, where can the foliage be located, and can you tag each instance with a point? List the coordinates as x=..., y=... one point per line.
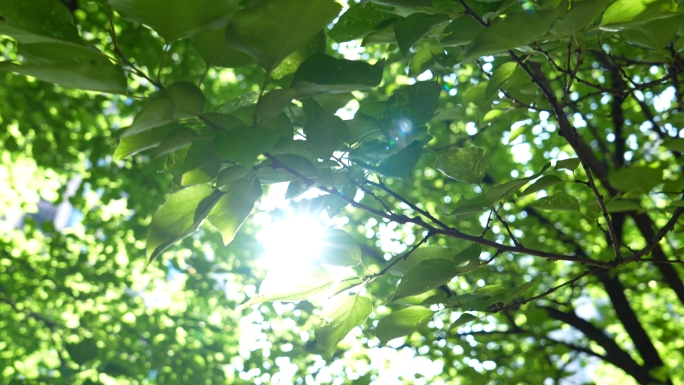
x=501, y=183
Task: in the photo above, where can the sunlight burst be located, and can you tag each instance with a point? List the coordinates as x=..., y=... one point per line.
x=293, y=240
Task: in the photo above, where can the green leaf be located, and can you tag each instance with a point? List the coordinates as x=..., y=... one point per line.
x=411, y=29
x=568, y=164
x=419, y=255
x=425, y=276
x=403, y=162
x=581, y=14
x=291, y=63
x=180, y=216
x=503, y=191
x=131, y=145
x=402, y=322
x=340, y=315
x=325, y=133
x=468, y=259
x=295, y=162
x=70, y=66
x=422, y=57
x=83, y=351
x=325, y=74
x=357, y=21
x=623, y=205
x=229, y=177
x=177, y=19
x=655, y=34
x=409, y=108
x=212, y=46
x=637, y=178
x=460, y=31
x=542, y=184
x=176, y=139
x=519, y=291
x=157, y=113
x=517, y=132
x=274, y=102
x=678, y=252
x=294, y=284
x=466, y=206
x=463, y=319
x=339, y=249
x=559, y=202
x=679, y=203
x=628, y=13
x=466, y=164
x=179, y=100
x=234, y=207
x=515, y=31
x=187, y=99
x=674, y=144
x=245, y=144
x=38, y=21
x=291, y=23
x=499, y=77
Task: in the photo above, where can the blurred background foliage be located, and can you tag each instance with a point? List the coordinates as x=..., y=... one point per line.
x=80, y=305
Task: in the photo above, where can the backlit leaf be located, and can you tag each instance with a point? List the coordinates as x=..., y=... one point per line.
x=339, y=316
x=466, y=164
x=402, y=322
x=176, y=19
x=234, y=207
x=425, y=276
x=291, y=23
x=560, y=202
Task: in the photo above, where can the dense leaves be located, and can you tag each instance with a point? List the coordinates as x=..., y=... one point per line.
x=290, y=191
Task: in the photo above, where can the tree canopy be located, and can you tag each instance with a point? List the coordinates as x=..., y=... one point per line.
x=311, y=191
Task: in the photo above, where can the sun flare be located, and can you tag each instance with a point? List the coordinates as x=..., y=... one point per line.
x=293, y=240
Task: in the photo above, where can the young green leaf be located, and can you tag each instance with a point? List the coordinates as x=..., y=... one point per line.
x=514, y=31
x=460, y=31
x=340, y=315
x=245, y=144
x=637, y=178
x=568, y=164
x=656, y=34
x=463, y=319
x=325, y=133
x=131, y=145
x=212, y=46
x=466, y=164
x=180, y=216
x=419, y=255
x=425, y=276
x=358, y=20
x=409, y=108
x=499, y=77
x=291, y=23
x=70, y=66
x=412, y=28
x=674, y=144
x=468, y=259
x=560, y=202
x=38, y=21
x=293, y=61
x=403, y=162
x=466, y=206
x=294, y=284
x=503, y=191
x=402, y=322
x=321, y=74
x=629, y=13
x=234, y=207
x=541, y=184
x=339, y=249
x=177, y=19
